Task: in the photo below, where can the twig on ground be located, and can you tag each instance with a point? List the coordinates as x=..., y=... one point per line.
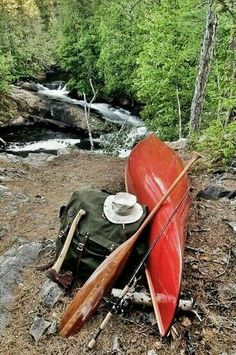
x=227, y=265
x=197, y=250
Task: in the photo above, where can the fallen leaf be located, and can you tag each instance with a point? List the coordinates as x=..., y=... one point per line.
x=186, y=322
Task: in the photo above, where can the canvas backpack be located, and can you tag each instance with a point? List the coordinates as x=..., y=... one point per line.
x=95, y=236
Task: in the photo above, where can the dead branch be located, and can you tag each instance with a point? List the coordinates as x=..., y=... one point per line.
x=179, y=112
x=87, y=109
x=227, y=8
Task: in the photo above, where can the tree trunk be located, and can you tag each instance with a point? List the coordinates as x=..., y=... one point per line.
x=204, y=69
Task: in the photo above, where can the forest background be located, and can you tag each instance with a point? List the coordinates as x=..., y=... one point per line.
x=174, y=60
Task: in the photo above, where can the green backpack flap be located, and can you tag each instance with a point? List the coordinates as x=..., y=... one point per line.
x=95, y=236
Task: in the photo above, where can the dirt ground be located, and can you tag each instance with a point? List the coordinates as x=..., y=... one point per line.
x=209, y=272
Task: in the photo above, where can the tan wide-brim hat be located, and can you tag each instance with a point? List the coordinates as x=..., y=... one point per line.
x=122, y=208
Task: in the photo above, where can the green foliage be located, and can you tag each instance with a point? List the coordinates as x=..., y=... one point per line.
x=78, y=48
x=8, y=109
x=120, y=43
x=149, y=51
x=5, y=73
x=24, y=39
x=217, y=141
x=167, y=63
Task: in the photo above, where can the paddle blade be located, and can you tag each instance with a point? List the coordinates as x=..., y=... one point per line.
x=100, y=282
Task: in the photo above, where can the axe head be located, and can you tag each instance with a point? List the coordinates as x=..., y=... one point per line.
x=63, y=279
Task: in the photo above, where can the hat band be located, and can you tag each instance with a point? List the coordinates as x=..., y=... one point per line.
x=121, y=211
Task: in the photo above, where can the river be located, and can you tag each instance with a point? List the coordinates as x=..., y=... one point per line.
x=37, y=138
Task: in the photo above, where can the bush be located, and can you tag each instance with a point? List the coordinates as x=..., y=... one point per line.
x=5, y=74
x=218, y=142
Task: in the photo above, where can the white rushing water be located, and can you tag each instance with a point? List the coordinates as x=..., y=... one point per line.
x=49, y=144
x=108, y=112
x=118, y=142
x=112, y=114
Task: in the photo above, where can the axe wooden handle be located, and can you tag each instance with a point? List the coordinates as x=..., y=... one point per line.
x=62, y=255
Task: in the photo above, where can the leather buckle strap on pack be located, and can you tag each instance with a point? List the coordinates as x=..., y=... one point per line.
x=80, y=249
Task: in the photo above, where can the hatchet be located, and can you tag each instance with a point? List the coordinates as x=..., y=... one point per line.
x=65, y=279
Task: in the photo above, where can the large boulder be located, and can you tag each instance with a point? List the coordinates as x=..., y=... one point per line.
x=34, y=107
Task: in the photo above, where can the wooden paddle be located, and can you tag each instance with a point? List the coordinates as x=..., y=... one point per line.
x=100, y=282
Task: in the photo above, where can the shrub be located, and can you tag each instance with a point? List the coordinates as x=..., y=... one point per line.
x=218, y=142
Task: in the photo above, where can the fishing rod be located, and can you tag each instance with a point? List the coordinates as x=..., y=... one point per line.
x=119, y=301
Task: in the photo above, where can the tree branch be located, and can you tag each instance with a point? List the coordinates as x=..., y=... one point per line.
x=227, y=8
x=87, y=109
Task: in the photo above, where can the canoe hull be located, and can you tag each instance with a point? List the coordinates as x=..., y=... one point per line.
x=151, y=169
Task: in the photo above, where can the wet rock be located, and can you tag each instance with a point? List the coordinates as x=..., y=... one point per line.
x=31, y=104
x=74, y=117
x=213, y=192
x=30, y=86
x=51, y=293
x=38, y=328
x=55, y=85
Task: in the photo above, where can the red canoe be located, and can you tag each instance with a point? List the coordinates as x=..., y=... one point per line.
x=151, y=169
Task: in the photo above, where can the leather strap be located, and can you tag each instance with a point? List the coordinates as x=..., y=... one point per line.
x=80, y=249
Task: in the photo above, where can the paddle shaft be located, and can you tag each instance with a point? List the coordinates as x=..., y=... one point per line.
x=127, y=287
x=168, y=192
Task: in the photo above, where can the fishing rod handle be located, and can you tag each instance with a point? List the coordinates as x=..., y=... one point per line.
x=102, y=326
x=107, y=318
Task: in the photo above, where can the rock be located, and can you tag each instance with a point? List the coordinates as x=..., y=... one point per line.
x=31, y=104
x=74, y=117
x=38, y=328
x=182, y=143
x=12, y=262
x=55, y=85
x=53, y=327
x=3, y=190
x=116, y=346
x=152, y=318
x=11, y=172
x=38, y=159
x=213, y=192
x=30, y=86
x=9, y=158
x=151, y=352
x=51, y=293
x=3, y=231
x=65, y=151
x=233, y=225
